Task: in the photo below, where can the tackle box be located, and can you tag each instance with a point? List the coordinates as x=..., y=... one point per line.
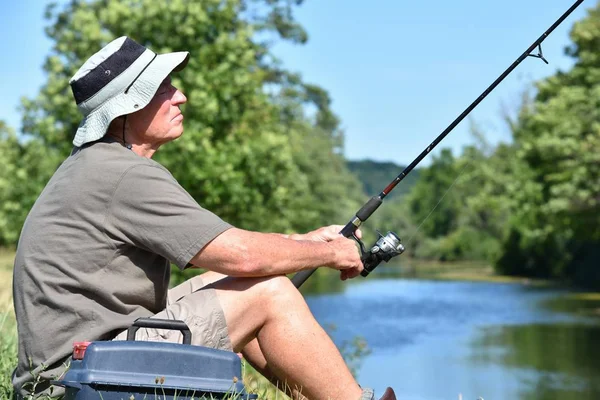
x=141, y=370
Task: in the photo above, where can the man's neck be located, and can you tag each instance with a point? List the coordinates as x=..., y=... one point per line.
x=141, y=149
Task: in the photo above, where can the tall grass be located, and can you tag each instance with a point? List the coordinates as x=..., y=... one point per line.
x=8, y=329
x=8, y=354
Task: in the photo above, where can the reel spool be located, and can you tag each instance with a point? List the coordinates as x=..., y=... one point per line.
x=384, y=249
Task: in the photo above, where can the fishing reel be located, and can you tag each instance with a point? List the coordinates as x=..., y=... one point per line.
x=384, y=249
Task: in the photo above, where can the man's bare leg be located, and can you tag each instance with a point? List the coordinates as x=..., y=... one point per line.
x=296, y=349
x=254, y=356
x=252, y=352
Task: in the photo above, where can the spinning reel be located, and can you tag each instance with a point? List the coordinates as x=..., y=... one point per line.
x=384, y=249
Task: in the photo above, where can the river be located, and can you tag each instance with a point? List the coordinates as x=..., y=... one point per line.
x=448, y=340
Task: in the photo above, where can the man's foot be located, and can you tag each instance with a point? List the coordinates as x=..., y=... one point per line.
x=389, y=394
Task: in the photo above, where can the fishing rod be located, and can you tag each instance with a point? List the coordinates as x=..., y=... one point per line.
x=390, y=245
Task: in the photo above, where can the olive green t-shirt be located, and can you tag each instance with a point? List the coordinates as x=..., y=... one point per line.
x=95, y=252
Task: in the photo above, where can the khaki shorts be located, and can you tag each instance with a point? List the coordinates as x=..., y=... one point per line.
x=199, y=308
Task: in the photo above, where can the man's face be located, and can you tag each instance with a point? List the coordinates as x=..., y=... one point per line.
x=161, y=120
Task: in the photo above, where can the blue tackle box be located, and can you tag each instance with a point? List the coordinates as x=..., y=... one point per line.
x=141, y=370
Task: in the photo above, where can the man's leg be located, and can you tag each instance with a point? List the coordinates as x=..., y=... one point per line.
x=251, y=352
x=254, y=356
x=296, y=349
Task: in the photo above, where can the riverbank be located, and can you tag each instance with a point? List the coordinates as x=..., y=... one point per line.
x=472, y=271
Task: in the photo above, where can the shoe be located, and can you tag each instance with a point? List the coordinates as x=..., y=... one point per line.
x=389, y=394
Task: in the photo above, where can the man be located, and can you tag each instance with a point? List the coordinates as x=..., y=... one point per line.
x=95, y=250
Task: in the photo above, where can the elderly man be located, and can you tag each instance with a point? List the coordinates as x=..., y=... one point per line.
x=95, y=250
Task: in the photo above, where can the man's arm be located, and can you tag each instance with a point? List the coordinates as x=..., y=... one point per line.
x=237, y=252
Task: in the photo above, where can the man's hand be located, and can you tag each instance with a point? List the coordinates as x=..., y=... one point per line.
x=331, y=233
x=327, y=234
x=347, y=258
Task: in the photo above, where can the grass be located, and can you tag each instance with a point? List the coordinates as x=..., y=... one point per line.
x=8, y=330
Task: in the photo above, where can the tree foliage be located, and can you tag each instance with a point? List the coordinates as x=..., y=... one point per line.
x=27, y=166
x=555, y=229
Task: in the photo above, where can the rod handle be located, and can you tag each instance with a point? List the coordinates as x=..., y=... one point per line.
x=302, y=276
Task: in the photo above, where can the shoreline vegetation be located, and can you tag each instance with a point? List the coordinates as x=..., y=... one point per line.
x=579, y=302
x=472, y=271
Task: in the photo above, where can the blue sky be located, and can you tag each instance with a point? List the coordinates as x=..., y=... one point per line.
x=398, y=71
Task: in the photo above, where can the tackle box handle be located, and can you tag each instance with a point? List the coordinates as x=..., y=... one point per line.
x=157, y=323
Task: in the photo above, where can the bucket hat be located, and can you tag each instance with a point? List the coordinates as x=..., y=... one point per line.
x=119, y=79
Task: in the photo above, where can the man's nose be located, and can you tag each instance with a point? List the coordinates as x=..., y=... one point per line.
x=179, y=97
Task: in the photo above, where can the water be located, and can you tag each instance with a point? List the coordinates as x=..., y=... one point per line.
x=436, y=340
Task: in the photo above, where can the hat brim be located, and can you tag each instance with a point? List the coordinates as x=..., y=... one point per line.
x=94, y=125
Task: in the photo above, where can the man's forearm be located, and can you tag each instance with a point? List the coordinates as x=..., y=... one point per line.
x=237, y=252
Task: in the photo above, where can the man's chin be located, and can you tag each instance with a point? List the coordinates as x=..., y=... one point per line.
x=176, y=132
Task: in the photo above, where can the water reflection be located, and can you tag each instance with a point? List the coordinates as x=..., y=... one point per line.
x=565, y=358
x=576, y=303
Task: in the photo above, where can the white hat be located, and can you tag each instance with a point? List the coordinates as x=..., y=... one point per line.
x=119, y=79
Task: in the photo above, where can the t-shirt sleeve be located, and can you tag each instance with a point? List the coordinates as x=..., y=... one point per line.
x=152, y=211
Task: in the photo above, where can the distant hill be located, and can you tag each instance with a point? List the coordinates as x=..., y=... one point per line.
x=375, y=176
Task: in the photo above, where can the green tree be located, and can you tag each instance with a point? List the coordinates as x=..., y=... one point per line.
x=454, y=208
x=555, y=230
x=532, y=205
x=26, y=167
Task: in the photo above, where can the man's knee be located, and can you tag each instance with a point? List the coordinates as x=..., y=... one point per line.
x=281, y=285
x=261, y=293
x=277, y=289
